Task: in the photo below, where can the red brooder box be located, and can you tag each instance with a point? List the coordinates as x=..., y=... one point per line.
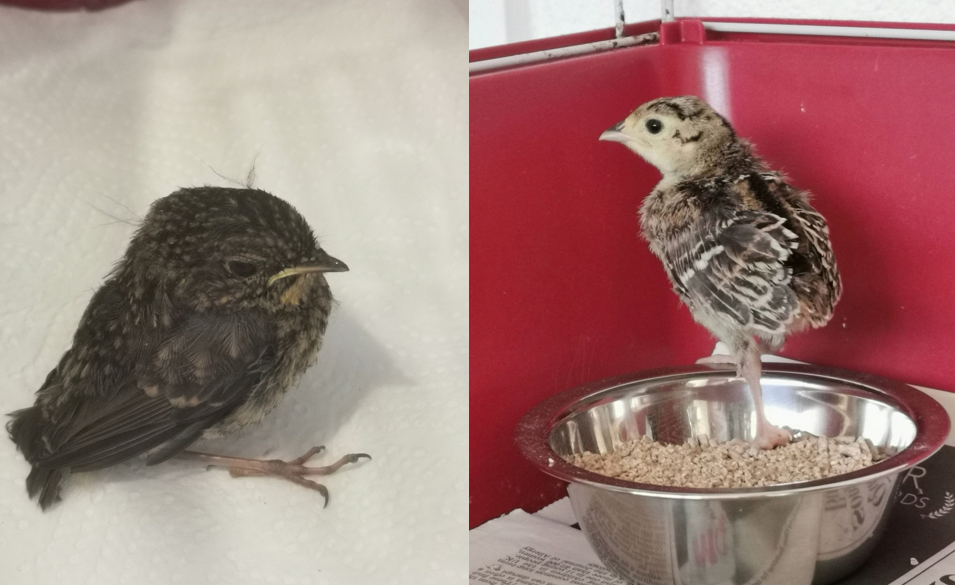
x=564, y=291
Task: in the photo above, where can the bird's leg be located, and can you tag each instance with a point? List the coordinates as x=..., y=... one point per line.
x=750, y=369
x=764, y=347
x=294, y=470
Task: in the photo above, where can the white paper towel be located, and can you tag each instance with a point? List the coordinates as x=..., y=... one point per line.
x=356, y=112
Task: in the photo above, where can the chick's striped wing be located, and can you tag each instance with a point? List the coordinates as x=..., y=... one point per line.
x=734, y=270
x=819, y=287
x=202, y=370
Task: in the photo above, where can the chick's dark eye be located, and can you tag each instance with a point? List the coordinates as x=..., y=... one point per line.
x=654, y=126
x=241, y=269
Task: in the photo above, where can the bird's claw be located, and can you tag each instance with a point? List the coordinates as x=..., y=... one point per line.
x=312, y=485
x=293, y=470
x=308, y=455
x=769, y=436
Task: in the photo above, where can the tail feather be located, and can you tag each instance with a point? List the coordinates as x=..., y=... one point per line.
x=46, y=484
x=26, y=431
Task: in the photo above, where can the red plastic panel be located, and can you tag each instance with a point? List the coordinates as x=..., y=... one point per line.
x=563, y=291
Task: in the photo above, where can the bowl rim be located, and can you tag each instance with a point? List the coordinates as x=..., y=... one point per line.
x=932, y=424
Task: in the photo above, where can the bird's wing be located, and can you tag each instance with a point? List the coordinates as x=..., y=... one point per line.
x=815, y=275
x=201, y=371
x=821, y=286
x=734, y=269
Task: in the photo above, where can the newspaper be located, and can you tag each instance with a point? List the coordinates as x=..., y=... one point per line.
x=522, y=549
x=918, y=547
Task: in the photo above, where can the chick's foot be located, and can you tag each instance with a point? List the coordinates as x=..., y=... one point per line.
x=294, y=470
x=769, y=436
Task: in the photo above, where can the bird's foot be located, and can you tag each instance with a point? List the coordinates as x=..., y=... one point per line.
x=769, y=436
x=717, y=360
x=294, y=470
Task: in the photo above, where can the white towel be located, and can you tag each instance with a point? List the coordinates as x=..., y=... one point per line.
x=355, y=112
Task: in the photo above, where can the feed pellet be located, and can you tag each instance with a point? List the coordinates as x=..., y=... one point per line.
x=703, y=462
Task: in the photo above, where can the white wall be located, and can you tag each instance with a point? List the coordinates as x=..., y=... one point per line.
x=495, y=22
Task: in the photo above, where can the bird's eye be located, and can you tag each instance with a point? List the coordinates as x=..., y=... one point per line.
x=241, y=269
x=654, y=126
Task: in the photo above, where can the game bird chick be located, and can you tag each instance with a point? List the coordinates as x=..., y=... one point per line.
x=216, y=309
x=743, y=249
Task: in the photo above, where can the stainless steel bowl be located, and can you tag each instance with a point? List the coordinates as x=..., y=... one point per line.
x=793, y=534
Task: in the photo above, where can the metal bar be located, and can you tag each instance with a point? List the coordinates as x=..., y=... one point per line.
x=561, y=52
x=831, y=31
x=619, y=18
x=669, y=14
x=729, y=27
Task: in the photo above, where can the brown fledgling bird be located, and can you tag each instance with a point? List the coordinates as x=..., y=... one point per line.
x=216, y=309
x=743, y=249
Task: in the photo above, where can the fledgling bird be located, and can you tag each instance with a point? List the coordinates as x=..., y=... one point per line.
x=743, y=249
x=216, y=309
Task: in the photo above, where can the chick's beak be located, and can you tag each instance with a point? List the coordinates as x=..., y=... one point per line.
x=321, y=262
x=615, y=134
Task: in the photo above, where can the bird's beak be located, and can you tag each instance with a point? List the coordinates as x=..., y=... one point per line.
x=322, y=263
x=615, y=134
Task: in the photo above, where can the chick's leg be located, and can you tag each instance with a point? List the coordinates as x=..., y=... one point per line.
x=750, y=369
x=294, y=470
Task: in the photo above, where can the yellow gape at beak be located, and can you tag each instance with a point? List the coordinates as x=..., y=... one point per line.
x=322, y=263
